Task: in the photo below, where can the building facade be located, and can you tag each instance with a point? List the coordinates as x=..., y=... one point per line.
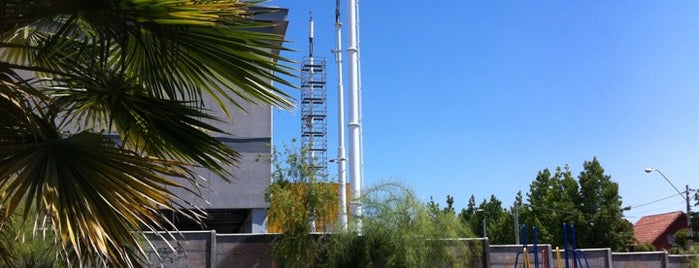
x=239, y=206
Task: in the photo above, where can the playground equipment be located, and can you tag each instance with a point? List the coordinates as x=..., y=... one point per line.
x=577, y=255
x=525, y=252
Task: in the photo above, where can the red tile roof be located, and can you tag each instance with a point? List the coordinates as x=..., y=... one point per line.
x=649, y=228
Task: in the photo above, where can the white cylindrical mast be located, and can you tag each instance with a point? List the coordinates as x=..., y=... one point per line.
x=341, y=171
x=310, y=36
x=354, y=123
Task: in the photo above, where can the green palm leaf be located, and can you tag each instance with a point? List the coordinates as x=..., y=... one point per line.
x=108, y=115
x=158, y=127
x=92, y=190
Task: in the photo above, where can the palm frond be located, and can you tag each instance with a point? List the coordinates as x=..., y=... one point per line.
x=158, y=127
x=142, y=69
x=93, y=191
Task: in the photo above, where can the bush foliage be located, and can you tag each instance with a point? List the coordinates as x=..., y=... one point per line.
x=397, y=230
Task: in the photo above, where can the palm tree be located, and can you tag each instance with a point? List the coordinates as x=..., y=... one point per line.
x=101, y=110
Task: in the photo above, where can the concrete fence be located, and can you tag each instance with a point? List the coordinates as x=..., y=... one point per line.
x=506, y=256
x=209, y=249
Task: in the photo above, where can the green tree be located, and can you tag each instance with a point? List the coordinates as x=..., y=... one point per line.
x=467, y=212
x=682, y=241
x=601, y=207
x=501, y=228
x=694, y=217
x=468, y=215
x=591, y=203
x=551, y=202
x=542, y=192
x=400, y=231
x=499, y=223
x=644, y=247
x=102, y=108
x=301, y=201
x=29, y=245
x=450, y=205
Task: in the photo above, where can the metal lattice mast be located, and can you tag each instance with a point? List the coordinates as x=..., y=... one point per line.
x=314, y=110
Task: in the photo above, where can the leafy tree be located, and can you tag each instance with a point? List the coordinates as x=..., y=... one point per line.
x=468, y=214
x=102, y=110
x=592, y=204
x=682, y=241
x=450, y=204
x=469, y=210
x=541, y=195
x=498, y=221
x=694, y=218
x=300, y=199
x=400, y=231
x=644, y=247
x=601, y=206
x=551, y=202
x=29, y=246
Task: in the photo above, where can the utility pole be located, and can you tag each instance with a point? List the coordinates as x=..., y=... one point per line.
x=516, y=205
x=685, y=197
x=689, y=220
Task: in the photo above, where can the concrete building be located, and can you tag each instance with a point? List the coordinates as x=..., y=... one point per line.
x=240, y=206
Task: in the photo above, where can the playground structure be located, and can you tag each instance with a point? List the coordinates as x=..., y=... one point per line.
x=577, y=256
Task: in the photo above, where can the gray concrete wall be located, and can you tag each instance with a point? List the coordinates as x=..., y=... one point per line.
x=187, y=249
x=244, y=251
x=208, y=249
x=653, y=259
x=595, y=257
x=501, y=256
x=680, y=261
x=504, y=256
x=249, y=132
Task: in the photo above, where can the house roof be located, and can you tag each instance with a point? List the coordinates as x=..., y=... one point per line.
x=649, y=228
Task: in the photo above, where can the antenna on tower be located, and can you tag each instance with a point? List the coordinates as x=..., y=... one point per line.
x=310, y=35
x=314, y=113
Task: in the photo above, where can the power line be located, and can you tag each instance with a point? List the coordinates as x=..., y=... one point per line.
x=655, y=209
x=652, y=202
x=551, y=209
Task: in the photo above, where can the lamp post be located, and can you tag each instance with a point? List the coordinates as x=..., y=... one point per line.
x=684, y=195
x=485, y=234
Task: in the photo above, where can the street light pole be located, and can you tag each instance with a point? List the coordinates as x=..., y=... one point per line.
x=684, y=196
x=485, y=234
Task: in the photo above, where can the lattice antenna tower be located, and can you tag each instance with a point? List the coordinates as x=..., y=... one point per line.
x=314, y=110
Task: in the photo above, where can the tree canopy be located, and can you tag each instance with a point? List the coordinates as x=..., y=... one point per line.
x=591, y=203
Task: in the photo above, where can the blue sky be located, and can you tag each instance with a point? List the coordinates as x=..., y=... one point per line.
x=469, y=98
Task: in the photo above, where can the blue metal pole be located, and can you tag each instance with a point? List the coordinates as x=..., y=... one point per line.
x=565, y=242
x=536, y=248
x=575, y=254
x=524, y=234
x=524, y=240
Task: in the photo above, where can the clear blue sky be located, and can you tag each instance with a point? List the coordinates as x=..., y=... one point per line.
x=469, y=98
